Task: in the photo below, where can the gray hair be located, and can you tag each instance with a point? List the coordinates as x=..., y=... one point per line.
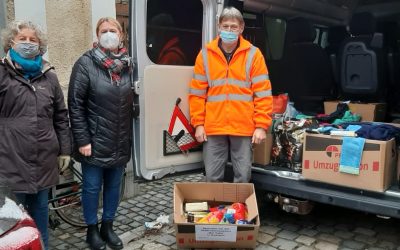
x=231, y=13
x=12, y=30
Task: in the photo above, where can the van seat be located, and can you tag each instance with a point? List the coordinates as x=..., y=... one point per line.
x=363, y=61
x=304, y=72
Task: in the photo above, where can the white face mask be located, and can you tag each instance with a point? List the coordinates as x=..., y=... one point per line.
x=109, y=40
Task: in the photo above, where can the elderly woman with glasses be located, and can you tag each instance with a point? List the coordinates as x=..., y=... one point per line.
x=34, y=127
x=230, y=99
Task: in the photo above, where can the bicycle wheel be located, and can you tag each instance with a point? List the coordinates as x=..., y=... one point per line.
x=65, y=198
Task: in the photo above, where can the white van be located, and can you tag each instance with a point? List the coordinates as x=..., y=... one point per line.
x=316, y=50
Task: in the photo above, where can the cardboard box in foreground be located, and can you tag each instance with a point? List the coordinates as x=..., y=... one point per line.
x=368, y=111
x=195, y=235
x=321, y=155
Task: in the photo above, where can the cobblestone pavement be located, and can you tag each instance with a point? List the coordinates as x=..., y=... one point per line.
x=325, y=228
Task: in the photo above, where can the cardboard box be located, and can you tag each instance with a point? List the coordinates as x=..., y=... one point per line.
x=321, y=155
x=195, y=235
x=368, y=111
x=262, y=152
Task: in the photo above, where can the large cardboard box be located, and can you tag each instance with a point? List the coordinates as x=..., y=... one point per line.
x=195, y=235
x=321, y=157
x=262, y=151
x=368, y=111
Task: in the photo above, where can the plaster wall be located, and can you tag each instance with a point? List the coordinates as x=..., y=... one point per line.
x=69, y=32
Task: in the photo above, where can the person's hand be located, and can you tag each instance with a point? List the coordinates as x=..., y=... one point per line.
x=63, y=162
x=200, y=134
x=86, y=150
x=259, y=136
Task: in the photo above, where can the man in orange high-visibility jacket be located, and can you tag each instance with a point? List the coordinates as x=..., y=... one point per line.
x=230, y=99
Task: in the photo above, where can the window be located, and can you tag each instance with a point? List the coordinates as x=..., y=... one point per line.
x=174, y=31
x=276, y=29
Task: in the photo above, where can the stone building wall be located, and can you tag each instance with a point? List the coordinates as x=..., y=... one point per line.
x=69, y=30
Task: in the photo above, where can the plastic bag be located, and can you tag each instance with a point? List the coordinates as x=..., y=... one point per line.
x=287, y=146
x=279, y=103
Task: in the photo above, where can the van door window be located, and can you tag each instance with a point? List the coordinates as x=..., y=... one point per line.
x=276, y=29
x=174, y=31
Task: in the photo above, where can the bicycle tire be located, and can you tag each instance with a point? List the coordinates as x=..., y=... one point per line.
x=65, y=199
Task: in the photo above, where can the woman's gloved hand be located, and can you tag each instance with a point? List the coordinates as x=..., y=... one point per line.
x=63, y=162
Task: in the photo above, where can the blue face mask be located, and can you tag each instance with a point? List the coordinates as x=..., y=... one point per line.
x=228, y=36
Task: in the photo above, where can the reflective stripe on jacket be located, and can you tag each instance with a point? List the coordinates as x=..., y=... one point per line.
x=234, y=98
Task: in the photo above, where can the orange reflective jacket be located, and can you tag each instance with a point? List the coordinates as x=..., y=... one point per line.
x=234, y=98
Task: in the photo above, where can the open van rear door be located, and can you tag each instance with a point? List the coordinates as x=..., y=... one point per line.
x=178, y=28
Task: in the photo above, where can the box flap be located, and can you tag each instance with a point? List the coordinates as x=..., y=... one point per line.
x=252, y=208
x=178, y=206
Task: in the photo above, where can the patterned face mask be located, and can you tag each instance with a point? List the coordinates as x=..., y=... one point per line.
x=26, y=49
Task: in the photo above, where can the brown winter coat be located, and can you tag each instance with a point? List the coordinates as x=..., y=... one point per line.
x=34, y=129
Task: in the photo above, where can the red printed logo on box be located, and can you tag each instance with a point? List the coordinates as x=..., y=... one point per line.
x=332, y=151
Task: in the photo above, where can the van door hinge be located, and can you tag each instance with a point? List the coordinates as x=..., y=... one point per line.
x=136, y=87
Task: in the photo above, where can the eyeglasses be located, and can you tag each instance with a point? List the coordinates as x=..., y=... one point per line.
x=233, y=27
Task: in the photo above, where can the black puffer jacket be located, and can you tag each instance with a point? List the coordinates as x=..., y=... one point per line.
x=34, y=129
x=100, y=113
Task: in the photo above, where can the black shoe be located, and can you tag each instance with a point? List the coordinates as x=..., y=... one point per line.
x=94, y=239
x=109, y=236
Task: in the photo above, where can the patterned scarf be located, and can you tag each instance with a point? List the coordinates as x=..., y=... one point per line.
x=114, y=63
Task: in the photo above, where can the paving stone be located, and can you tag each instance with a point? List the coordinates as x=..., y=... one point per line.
x=273, y=222
x=344, y=234
x=365, y=231
x=270, y=229
x=325, y=229
x=326, y=246
x=366, y=239
x=154, y=246
x=134, y=245
x=329, y=238
x=308, y=241
x=353, y=244
x=305, y=248
x=141, y=205
x=264, y=238
x=283, y=244
x=290, y=227
x=123, y=211
x=263, y=247
x=166, y=239
x=64, y=236
x=287, y=234
x=308, y=232
x=387, y=245
x=388, y=237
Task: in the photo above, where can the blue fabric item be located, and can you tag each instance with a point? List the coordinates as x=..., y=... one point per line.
x=353, y=127
x=93, y=178
x=376, y=131
x=350, y=157
x=38, y=208
x=382, y=132
x=326, y=129
x=30, y=67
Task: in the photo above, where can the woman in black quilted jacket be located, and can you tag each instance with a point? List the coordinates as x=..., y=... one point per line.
x=100, y=102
